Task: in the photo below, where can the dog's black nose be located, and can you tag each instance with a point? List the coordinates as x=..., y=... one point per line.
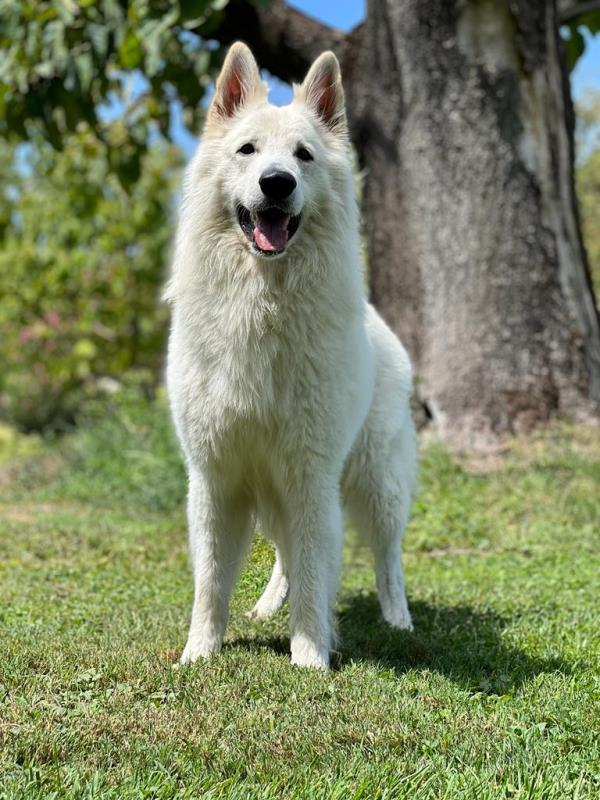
x=277, y=185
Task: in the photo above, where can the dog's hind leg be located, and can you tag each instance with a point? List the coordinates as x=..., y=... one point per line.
x=275, y=593
x=378, y=496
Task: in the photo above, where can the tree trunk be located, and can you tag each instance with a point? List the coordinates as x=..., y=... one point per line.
x=474, y=245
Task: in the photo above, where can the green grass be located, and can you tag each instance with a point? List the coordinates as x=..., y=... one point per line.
x=495, y=695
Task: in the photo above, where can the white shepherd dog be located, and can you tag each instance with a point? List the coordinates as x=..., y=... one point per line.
x=289, y=393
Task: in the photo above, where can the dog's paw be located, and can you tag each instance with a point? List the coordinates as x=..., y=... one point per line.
x=314, y=662
x=199, y=649
x=271, y=600
x=257, y=613
x=265, y=608
x=306, y=654
x=262, y=610
x=399, y=618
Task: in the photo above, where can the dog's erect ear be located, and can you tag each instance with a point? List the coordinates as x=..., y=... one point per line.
x=238, y=82
x=323, y=93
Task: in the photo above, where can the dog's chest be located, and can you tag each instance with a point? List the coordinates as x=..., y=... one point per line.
x=245, y=368
x=246, y=356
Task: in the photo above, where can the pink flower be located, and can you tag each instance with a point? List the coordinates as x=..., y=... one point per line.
x=52, y=318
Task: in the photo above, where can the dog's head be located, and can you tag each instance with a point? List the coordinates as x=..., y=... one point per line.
x=276, y=170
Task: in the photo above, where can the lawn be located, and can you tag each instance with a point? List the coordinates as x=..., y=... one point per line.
x=495, y=694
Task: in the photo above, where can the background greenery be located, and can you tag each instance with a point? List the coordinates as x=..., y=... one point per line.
x=587, y=176
x=81, y=264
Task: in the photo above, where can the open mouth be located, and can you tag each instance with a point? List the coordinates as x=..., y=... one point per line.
x=269, y=230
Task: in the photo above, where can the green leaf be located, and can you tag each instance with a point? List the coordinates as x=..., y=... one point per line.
x=575, y=45
x=98, y=35
x=84, y=349
x=85, y=70
x=45, y=69
x=590, y=20
x=130, y=51
x=193, y=9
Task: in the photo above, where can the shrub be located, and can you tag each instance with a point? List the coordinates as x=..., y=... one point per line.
x=125, y=451
x=81, y=265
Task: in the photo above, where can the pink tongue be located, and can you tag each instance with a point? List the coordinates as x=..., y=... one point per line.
x=271, y=235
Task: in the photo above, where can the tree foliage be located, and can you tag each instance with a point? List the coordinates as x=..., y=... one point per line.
x=588, y=21
x=588, y=179
x=81, y=262
x=62, y=59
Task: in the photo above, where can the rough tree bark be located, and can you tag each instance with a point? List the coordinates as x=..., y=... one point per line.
x=472, y=149
x=461, y=115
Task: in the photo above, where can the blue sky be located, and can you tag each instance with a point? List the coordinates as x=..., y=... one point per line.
x=343, y=14
x=586, y=74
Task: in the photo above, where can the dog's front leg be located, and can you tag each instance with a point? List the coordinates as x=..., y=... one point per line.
x=218, y=529
x=315, y=547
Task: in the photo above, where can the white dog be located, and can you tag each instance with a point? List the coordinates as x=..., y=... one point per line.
x=288, y=392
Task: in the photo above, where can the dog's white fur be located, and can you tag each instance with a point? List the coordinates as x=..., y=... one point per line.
x=288, y=392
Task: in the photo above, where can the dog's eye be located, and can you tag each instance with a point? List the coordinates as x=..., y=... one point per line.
x=303, y=154
x=246, y=149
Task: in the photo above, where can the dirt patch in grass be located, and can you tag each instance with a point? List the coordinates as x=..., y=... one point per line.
x=30, y=512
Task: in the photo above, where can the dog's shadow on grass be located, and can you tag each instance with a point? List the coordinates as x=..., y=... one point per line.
x=460, y=642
